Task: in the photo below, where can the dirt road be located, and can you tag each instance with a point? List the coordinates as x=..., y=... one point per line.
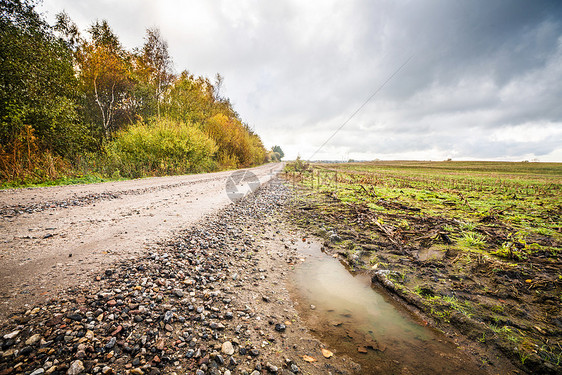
x=53, y=238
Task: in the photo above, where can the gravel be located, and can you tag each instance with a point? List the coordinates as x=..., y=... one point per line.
x=175, y=310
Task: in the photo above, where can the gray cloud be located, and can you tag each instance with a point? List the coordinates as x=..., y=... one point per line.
x=485, y=79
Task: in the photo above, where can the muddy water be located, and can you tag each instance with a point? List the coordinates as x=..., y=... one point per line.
x=353, y=319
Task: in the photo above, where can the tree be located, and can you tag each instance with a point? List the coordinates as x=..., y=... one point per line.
x=278, y=151
x=69, y=31
x=190, y=99
x=37, y=84
x=155, y=64
x=105, y=74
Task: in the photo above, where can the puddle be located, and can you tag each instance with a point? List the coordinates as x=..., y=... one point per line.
x=352, y=318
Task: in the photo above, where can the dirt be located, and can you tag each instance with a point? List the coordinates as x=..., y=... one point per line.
x=55, y=237
x=506, y=313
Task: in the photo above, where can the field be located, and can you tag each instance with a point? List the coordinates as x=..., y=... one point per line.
x=476, y=246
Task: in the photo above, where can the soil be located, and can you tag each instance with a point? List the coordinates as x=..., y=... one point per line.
x=506, y=313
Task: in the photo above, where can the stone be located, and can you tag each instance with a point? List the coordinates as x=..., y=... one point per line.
x=227, y=348
x=168, y=316
x=75, y=317
x=137, y=371
x=160, y=344
x=11, y=335
x=77, y=367
x=111, y=343
x=271, y=368
x=39, y=371
x=32, y=340
x=26, y=350
x=219, y=359
x=280, y=327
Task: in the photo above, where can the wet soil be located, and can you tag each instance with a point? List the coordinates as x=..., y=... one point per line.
x=507, y=314
x=343, y=309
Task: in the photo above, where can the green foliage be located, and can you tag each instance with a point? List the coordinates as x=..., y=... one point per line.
x=278, y=152
x=37, y=84
x=160, y=148
x=474, y=240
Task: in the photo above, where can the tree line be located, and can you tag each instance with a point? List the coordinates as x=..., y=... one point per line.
x=74, y=103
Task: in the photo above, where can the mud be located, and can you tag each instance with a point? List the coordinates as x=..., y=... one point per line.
x=506, y=314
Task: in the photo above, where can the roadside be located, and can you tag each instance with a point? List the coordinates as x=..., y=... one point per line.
x=56, y=237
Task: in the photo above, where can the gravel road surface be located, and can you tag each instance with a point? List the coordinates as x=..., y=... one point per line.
x=55, y=237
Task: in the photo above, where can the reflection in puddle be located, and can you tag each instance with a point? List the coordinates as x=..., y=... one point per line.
x=354, y=319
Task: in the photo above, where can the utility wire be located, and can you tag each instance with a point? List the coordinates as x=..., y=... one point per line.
x=363, y=105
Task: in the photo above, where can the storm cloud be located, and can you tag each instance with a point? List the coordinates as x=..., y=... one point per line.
x=484, y=79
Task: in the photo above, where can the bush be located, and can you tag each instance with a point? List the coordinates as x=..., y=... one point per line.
x=22, y=162
x=163, y=147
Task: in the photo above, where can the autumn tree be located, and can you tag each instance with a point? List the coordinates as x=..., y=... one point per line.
x=104, y=69
x=155, y=65
x=190, y=99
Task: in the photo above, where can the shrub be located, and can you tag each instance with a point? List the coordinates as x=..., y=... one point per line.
x=161, y=148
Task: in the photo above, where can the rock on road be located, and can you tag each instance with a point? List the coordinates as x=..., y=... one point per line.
x=52, y=238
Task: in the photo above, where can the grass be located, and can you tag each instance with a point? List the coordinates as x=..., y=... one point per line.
x=525, y=196
x=90, y=179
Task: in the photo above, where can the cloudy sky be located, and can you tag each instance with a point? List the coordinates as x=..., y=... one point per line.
x=482, y=78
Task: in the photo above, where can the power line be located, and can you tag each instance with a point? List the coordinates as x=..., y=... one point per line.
x=362, y=105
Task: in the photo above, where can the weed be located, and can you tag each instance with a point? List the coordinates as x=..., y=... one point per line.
x=513, y=338
x=497, y=309
x=467, y=226
x=472, y=239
